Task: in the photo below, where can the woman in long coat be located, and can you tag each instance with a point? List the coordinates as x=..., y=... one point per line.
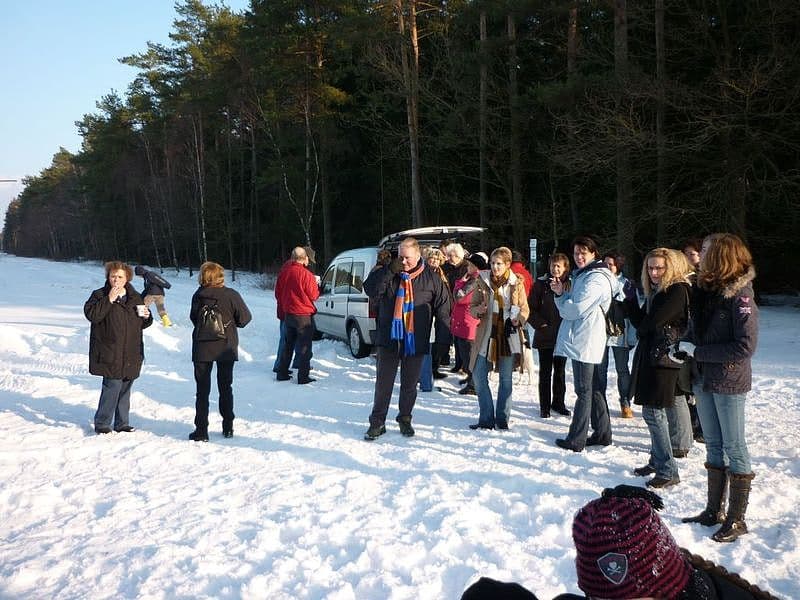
x=653, y=387
x=500, y=302
x=116, y=348
x=224, y=352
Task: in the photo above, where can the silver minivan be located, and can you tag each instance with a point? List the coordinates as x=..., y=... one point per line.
x=344, y=311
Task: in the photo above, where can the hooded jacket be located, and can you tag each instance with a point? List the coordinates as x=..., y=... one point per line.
x=582, y=335
x=724, y=327
x=116, y=348
x=154, y=284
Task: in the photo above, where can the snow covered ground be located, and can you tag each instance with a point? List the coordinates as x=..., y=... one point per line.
x=297, y=505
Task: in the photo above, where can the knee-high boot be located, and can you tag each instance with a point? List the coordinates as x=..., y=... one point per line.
x=734, y=524
x=714, y=512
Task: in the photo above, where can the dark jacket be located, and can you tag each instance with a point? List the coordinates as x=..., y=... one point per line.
x=724, y=326
x=431, y=298
x=655, y=386
x=544, y=317
x=116, y=348
x=154, y=284
x=234, y=314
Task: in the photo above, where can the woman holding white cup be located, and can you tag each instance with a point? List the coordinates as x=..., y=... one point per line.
x=116, y=349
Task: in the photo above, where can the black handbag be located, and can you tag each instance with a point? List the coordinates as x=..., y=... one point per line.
x=667, y=339
x=663, y=342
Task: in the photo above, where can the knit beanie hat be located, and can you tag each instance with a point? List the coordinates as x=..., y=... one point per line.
x=625, y=550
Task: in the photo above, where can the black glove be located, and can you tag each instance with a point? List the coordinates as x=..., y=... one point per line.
x=509, y=328
x=396, y=265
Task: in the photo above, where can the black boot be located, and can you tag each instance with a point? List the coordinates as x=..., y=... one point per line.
x=734, y=524
x=714, y=512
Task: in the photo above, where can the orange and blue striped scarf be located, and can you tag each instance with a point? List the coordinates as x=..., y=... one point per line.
x=403, y=320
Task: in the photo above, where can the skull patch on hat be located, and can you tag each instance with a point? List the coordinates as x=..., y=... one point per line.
x=614, y=567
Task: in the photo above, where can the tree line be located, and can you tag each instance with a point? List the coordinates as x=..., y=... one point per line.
x=334, y=122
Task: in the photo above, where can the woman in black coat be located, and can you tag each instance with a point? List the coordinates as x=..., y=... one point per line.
x=116, y=350
x=653, y=387
x=545, y=321
x=224, y=351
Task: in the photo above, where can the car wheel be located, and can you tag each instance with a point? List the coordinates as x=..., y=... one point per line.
x=358, y=347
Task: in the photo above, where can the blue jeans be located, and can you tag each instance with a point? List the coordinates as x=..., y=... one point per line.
x=722, y=418
x=680, y=424
x=660, y=446
x=426, y=375
x=590, y=406
x=115, y=402
x=480, y=377
x=623, y=373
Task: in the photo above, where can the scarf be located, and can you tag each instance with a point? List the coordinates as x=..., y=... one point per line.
x=403, y=319
x=498, y=344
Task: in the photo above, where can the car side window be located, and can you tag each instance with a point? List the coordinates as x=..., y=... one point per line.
x=342, y=279
x=358, y=278
x=327, y=281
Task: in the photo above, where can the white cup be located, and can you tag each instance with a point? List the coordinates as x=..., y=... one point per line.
x=141, y=310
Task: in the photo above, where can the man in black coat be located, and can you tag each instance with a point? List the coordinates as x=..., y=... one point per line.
x=407, y=294
x=116, y=349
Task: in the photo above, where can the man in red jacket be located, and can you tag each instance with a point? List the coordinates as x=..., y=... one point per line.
x=295, y=291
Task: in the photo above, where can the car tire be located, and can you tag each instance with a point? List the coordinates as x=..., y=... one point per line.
x=355, y=341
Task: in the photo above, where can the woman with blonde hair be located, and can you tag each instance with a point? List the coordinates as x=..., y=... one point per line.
x=666, y=306
x=725, y=334
x=224, y=350
x=500, y=302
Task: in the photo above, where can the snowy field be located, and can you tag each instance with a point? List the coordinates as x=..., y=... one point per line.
x=297, y=505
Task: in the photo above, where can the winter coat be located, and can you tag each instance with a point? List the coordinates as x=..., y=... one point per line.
x=629, y=338
x=154, y=284
x=724, y=327
x=234, y=313
x=582, y=335
x=116, y=347
x=526, y=276
x=655, y=386
x=431, y=298
x=514, y=295
x=295, y=290
x=453, y=273
x=544, y=318
x=462, y=323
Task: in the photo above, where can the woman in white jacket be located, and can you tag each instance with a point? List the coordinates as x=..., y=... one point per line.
x=582, y=338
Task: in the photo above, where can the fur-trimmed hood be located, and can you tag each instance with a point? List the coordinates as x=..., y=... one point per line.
x=734, y=287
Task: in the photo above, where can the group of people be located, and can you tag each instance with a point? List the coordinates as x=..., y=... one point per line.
x=694, y=329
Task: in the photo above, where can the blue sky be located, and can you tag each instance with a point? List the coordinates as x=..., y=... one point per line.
x=57, y=59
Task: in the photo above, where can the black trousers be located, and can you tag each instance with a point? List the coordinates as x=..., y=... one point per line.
x=299, y=337
x=202, y=377
x=389, y=359
x=551, y=366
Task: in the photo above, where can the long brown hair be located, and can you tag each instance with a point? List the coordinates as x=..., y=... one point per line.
x=726, y=260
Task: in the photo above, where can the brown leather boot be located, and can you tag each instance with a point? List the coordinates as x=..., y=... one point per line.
x=714, y=512
x=734, y=524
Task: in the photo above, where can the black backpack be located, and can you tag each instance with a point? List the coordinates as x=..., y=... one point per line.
x=210, y=324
